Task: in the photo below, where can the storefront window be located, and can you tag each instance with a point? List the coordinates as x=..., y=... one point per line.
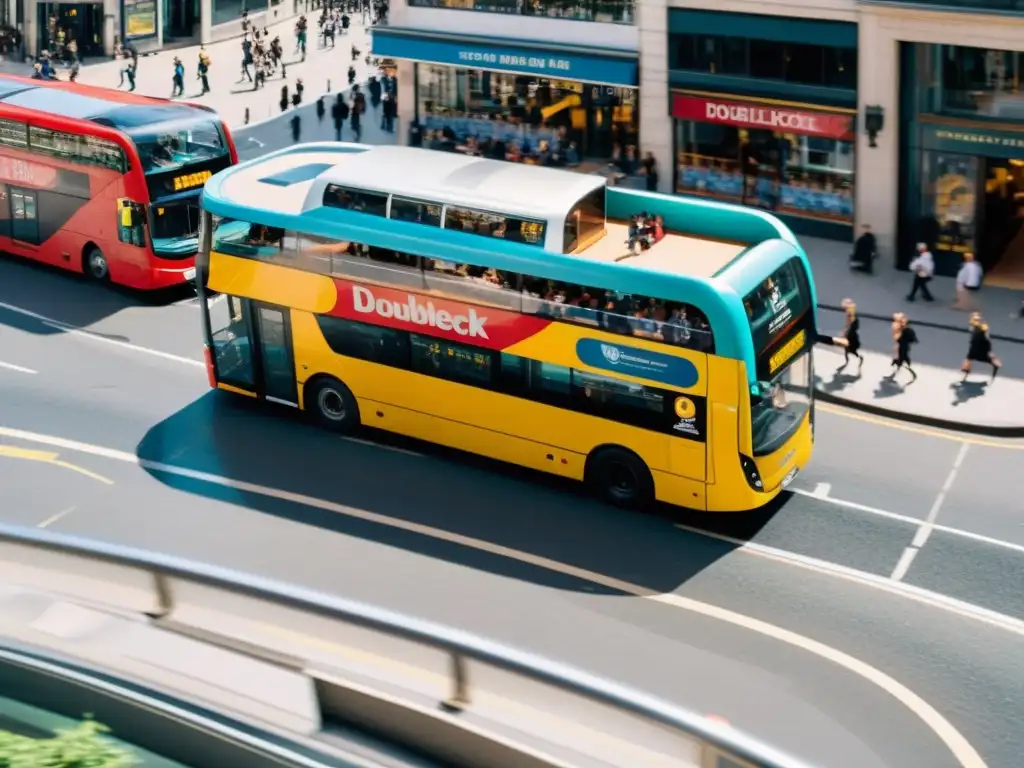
x=949, y=200
x=787, y=173
x=60, y=23
x=610, y=11
x=805, y=64
x=524, y=118
x=230, y=10
x=974, y=81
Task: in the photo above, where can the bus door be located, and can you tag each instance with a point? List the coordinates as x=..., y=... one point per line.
x=273, y=346
x=252, y=348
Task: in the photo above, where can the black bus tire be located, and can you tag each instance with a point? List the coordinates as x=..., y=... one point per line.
x=620, y=478
x=95, y=265
x=331, y=404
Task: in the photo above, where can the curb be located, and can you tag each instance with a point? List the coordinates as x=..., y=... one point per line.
x=986, y=430
x=922, y=324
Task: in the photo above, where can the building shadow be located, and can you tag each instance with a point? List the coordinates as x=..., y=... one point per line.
x=66, y=297
x=432, y=501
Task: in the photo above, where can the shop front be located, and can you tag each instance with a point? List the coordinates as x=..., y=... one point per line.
x=518, y=100
x=962, y=159
x=793, y=160
x=60, y=23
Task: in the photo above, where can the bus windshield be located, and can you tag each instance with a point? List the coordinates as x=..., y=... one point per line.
x=175, y=227
x=780, y=315
x=174, y=144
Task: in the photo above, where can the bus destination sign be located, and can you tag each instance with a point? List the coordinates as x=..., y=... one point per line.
x=191, y=180
x=786, y=352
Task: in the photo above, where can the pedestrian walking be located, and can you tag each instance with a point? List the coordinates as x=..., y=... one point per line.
x=357, y=112
x=130, y=71
x=339, y=113
x=850, y=338
x=247, y=59
x=979, y=350
x=903, y=337
x=178, y=78
x=968, y=282
x=923, y=267
x=389, y=109
x=204, y=69
x=649, y=170
x=865, y=250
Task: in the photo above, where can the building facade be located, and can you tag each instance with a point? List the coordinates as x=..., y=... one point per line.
x=149, y=25
x=905, y=116
x=518, y=79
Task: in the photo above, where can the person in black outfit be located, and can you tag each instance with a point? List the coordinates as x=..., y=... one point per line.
x=903, y=337
x=864, y=251
x=850, y=340
x=980, y=348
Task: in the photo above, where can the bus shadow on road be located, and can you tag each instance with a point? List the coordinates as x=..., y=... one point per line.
x=68, y=297
x=434, y=502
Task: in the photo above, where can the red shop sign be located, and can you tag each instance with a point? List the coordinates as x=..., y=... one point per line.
x=737, y=113
x=475, y=325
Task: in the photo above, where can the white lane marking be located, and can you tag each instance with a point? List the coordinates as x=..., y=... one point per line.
x=967, y=756
x=921, y=537
x=54, y=518
x=49, y=322
x=822, y=490
x=17, y=368
x=915, y=521
x=881, y=583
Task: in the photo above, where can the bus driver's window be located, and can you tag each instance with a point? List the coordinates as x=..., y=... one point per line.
x=131, y=223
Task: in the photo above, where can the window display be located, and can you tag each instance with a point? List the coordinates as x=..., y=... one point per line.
x=788, y=173
x=523, y=118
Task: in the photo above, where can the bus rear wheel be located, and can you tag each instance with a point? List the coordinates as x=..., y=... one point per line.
x=96, y=266
x=331, y=404
x=620, y=478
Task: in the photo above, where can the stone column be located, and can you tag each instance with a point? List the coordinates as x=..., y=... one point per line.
x=406, y=100
x=876, y=199
x=655, y=121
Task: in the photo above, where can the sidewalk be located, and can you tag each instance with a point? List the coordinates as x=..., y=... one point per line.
x=276, y=133
x=937, y=398
x=881, y=294
x=228, y=95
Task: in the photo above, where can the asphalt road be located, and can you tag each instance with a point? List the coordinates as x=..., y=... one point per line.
x=860, y=505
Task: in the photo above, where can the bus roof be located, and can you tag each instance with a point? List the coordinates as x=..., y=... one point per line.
x=450, y=178
x=106, y=106
x=285, y=189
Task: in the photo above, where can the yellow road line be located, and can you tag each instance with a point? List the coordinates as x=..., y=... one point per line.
x=48, y=457
x=846, y=413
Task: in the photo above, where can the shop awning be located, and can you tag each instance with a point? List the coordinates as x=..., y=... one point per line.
x=601, y=66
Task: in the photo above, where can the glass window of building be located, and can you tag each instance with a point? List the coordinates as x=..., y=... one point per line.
x=608, y=11
x=974, y=81
x=949, y=185
x=782, y=172
x=804, y=64
x=227, y=10
x=524, y=118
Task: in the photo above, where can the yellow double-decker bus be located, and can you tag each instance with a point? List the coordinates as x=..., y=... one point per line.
x=652, y=346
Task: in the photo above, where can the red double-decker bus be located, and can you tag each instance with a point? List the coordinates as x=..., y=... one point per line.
x=103, y=182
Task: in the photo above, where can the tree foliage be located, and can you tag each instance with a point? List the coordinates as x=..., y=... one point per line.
x=80, y=747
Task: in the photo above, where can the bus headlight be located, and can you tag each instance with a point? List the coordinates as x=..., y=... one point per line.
x=751, y=474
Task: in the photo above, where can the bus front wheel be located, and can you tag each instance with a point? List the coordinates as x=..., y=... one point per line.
x=620, y=477
x=96, y=266
x=332, y=404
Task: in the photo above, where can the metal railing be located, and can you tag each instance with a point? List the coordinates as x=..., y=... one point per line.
x=379, y=668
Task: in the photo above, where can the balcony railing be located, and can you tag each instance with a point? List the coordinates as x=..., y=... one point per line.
x=606, y=11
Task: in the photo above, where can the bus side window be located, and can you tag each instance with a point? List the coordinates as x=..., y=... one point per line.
x=131, y=223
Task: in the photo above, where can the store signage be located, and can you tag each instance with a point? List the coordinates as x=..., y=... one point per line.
x=613, y=69
x=139, y=19
x=746, y=115
x=974, y=141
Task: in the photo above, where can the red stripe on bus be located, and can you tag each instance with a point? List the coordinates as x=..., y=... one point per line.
x=480, y=326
